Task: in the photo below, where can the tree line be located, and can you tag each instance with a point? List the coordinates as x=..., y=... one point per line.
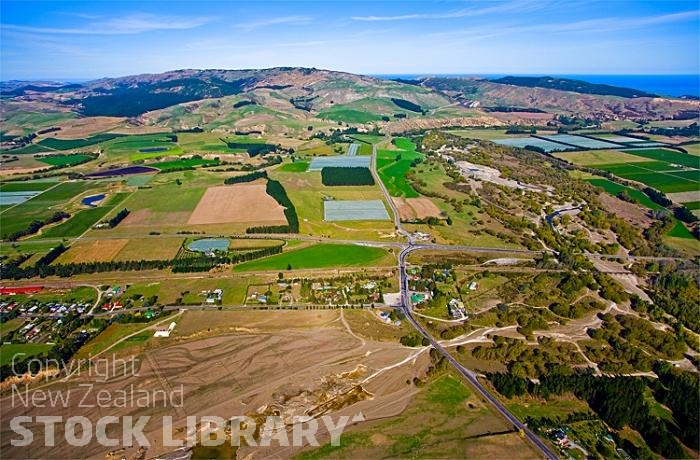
x=36, y=225
x=277, y=191
x=245, y=178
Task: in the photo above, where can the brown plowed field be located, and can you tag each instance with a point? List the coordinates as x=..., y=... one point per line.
x=240, y=203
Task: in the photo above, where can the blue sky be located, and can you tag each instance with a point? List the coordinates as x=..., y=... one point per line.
x=84, y=40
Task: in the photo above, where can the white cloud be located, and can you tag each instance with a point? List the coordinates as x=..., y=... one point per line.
x=282, y=20
x=125, y=25
x=521, y=6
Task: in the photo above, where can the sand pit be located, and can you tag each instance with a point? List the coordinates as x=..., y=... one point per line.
x=92, y=251
x=416, y=208
x=240, y=203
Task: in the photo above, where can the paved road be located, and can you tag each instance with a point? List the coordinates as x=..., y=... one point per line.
x=469, y=375
x=387, y=197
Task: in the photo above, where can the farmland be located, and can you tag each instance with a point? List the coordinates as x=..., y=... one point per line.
x=392, y=166
x=184, y=163
x=41, y=206
x=662, y=169
x=83, y=220
x=241, y=203
x=64, y=160
x=320, y=256
x=8, y=351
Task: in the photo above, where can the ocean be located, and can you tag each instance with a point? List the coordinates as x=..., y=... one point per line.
x=663, y=85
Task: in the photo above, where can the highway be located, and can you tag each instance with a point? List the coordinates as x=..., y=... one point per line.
x=469, y=375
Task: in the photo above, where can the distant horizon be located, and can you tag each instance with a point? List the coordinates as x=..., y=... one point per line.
x=671, y=85
x=71, y=40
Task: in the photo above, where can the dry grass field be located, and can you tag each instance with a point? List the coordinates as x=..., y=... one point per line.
x=240, y=203
x=92, y=251
x=149, y=249
x=79, y=128
x=416, y=208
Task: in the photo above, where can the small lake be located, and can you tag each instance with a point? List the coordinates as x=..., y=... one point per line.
x=128, y=170
x=92, y=199
x=209, y=245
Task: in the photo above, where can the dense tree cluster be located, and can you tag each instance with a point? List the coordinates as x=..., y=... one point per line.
x=346, y=176
x=621, y=402
x=277, y=191
x=120, y=216
x=250, y=177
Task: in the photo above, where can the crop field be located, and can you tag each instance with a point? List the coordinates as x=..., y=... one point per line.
x=335, y=211
x=297, y=166
x=668, y=156
x=77, y=224
x=523, y=142
x=26, y=186
x=149, y=249
x=581, y=142
x=139, y=180
x=70, y=144
x=41, y=206
x=166, y=166
x=682, y=181
x=240, y=203
x=393, y=165
x=614, y=188
x=320, y=256
x=692, y=205
x=599, y=157
x=368, y=138
x=135, y=147
x=411, y=209
x=348, y=114
x=92, y=251
x=344, y=161
x=64, y=160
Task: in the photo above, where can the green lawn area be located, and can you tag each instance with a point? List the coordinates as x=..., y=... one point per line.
x=348, y=115
x=614, y=188
x=297, y=166
x=166, y=166
x=7, y=352
x=69, y=144
x=692, y=205
x=82, y=220
x=26, y=186
x=64, y=160
x=41, y=206
x=318, y=256
x=392, y=166
x=669, y=156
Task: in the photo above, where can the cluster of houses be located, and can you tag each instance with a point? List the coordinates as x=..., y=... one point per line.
x=112, y=295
